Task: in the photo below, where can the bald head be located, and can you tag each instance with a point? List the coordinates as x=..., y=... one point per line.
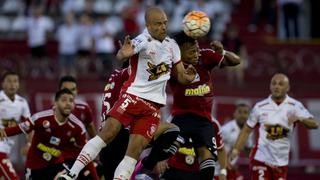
x=156, y=22
x=279, y=86
x=151, y=12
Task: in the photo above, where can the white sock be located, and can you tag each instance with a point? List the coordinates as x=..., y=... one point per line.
x=125, y=168
x=89, y=152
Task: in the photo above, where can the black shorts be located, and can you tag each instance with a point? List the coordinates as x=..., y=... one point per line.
x=44, y=173
x=198, y=128
x=176, y=174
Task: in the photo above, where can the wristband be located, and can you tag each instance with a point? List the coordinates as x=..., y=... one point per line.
x=223, y=172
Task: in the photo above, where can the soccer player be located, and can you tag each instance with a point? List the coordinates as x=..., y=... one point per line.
x=54, y=129
x=164, y=144
x=152, y=56
x=277, y=116
x=84, y=113
x=81, y=110
x=230, y=133
x=13, y=109
x=192, y=103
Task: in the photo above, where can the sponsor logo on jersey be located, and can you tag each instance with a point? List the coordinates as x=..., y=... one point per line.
x=157, y=70
x=51, y=150
x=199, y=91
x=275, y=132
x=55, y=140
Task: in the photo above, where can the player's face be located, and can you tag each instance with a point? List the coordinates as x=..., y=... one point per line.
x=190, y=53
x=10, y=85
x=279, y=86
x=241, y=114
x=65, y=104
x=157, y=25
x=71, y=86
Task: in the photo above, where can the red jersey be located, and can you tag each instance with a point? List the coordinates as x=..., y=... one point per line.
x=185, y=159
x=50, y=139
x=197, y=97
x=112, y=90
x=83, y=112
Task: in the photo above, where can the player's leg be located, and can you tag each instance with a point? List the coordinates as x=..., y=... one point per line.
x=166, y=143
x=118, y=117
x=141, y=132
x=111, y=155
x=279, y=172
x=202, y=133
x=6, y=168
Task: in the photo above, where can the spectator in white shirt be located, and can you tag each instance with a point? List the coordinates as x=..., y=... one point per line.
x=67, y=36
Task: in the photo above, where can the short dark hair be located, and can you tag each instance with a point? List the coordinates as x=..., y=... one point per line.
x=67, y=79
x=242, y=105
x=181, y=38
x=59, y=93
x=8, y=73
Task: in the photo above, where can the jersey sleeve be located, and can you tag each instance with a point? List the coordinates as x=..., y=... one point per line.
x=139, y=43
x=253, y=117
x=210, y=58
x=23, y=127
x=302, y=112
x=88, y=115
x=176, y=53
x=26, y=110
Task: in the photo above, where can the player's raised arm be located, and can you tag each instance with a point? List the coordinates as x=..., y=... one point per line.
x=230, y=58
x=126, y=50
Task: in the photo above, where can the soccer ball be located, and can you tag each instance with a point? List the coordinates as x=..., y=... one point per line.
x=196, y=24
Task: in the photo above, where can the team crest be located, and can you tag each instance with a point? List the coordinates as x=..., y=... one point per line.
x=157, y=70
x=46, y=124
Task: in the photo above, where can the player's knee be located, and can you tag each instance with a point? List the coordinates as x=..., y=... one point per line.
x=136, y=145
x=110, y=130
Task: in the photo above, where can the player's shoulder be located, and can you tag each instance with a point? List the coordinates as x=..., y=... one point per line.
x=76, y=123
x=229, y=124
x=293, y=102
x=21, y=99
x=42, y=115
x=81, y=103
x=262, y=103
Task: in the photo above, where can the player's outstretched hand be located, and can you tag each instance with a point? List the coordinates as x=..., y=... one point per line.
x=3, y=135
x=161, y=167
x=217, y=46
x=126, y=49
x=191, y=72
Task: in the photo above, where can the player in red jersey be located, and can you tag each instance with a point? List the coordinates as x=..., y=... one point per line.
x=84, y=113
x=81, y=110
x=192, y=103
x=54, y=129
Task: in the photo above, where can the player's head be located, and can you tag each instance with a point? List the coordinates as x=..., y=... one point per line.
x=64, y=102
x=69, y=82
x=156, y=23
x=279, y=86
x=241, y=113
x=189, y=48
x=10, y=83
